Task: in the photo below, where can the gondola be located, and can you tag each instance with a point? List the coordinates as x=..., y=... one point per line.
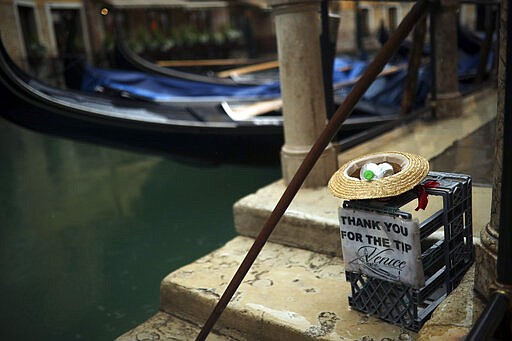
x=141, y=124
x=127, y=59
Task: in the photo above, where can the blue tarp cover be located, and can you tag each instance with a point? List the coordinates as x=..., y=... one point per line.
x=165, y=89
x=385, y=91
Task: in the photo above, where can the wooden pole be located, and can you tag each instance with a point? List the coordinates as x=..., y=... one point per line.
x=248, y=69
x=343, y=111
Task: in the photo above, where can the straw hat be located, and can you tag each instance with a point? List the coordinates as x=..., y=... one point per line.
x=409, y=170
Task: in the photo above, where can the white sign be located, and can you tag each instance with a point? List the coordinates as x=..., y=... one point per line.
x=382, y=246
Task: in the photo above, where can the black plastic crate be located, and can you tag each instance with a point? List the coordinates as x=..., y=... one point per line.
x=444, y=260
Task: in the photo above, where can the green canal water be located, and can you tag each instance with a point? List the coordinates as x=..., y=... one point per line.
x=88, y=232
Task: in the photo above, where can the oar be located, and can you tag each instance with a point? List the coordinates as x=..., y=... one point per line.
x=243, y=70
x=202, y=62
x=248, y=69
x=383, y=56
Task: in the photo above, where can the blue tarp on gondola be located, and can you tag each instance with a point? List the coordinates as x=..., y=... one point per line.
x=385, y=91
x=166, y=89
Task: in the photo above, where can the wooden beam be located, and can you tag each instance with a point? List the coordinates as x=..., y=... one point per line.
x=204, y=62
x=248, y=69
x=260, y=67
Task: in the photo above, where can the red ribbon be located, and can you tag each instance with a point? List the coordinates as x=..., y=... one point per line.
x=421, y=190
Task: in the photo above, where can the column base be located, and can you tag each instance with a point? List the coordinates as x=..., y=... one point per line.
x=327, y=164
x=485, y=263
x=447, y=105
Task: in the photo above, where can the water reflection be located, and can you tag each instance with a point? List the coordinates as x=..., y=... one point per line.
x=88, y=232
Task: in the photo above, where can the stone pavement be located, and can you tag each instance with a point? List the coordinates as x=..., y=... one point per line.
x=296, y=289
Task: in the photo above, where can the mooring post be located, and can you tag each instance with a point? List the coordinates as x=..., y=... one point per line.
x=446, y=98
x=300, y=69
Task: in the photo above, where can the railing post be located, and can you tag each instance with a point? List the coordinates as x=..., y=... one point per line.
x=300, y=67
x=446, y=98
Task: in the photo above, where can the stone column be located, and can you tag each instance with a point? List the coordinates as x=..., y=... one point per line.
x=298, y=42
x=446, y=98
x=487, y=249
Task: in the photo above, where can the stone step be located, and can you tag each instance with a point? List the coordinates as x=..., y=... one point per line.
x=164, y=326
x=454, y=317
x=311, y=221
x=289, y=294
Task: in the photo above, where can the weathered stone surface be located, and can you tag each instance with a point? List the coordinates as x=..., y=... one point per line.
x=485, y=262
x=163, y=326
x=289, y=294
x=311, y=221
x=454, y=317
